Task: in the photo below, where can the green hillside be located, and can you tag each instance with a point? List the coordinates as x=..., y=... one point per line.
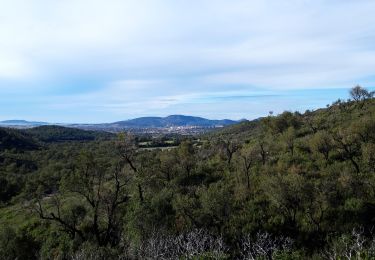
x=15, y=140
x=291, y=186
x=61, y=134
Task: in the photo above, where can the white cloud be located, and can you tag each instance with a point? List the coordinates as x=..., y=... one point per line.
x=162, y=53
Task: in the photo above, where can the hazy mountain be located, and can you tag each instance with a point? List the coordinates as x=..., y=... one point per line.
x=172, y=121
x=137, y=124
x=21, y=123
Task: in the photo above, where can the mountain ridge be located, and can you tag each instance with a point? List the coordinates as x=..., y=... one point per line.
x=174, y=121
x=138, y=123
x=22, y=122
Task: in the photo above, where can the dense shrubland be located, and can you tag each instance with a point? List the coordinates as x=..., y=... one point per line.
x=292, y=186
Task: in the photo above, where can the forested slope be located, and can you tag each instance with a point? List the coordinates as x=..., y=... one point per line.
x=14, y=140
x=292, y=186
x=61, y=134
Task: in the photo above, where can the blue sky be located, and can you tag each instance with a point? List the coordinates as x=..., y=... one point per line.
x=103, y=61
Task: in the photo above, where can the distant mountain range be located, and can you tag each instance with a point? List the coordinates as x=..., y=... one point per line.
x=137, y=123
x=172, y=121
x=21, y=123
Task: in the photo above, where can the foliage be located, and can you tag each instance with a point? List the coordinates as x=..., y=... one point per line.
x=292, y=186
x=60, y=134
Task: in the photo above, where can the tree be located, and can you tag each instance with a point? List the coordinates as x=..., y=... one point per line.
x=359, y=94
x=186, y=158
x=352, y=246
x=196, y=244
x=264, y=148
x=264, y=246
x=368, y=154
x=288, y=138
x=127, y=147
x=248, y=157
x=322, y=143
x=167, y=163
x=349, y=146
x=286, y=194
x=91, y=206
x=229, y=147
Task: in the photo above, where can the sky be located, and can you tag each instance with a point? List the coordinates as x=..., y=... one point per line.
x=91, y=61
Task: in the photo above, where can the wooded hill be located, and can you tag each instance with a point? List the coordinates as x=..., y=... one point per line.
x=61, y=134
x=292, y=186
